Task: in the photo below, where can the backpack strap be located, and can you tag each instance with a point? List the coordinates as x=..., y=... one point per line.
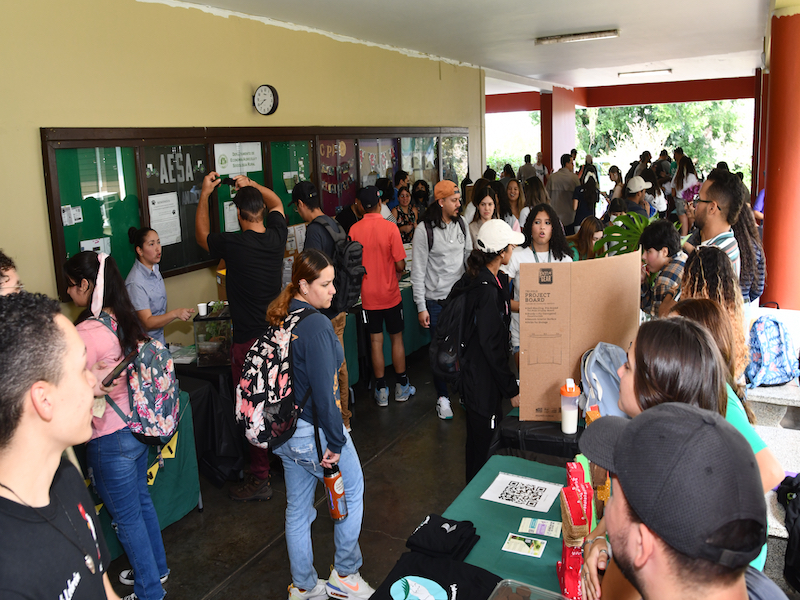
x=429, y=230
x=106, y=320
x=337, y=236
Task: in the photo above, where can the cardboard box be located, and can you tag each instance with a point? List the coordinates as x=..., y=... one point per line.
x=566, y=309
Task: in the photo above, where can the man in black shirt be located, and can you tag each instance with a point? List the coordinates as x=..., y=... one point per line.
x=306, y=197
x=254, y=261
x=350, y=215
x=53, y=545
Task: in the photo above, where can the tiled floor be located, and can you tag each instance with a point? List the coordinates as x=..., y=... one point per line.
x=413, y=465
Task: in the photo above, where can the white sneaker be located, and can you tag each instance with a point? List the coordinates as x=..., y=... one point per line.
x=382, y=396
x=126, y=577
x=404, y=392
x=443, y=408
x=352, y=586
x=318, y=593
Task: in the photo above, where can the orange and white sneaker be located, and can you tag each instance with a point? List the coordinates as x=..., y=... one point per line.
x=318, y=593
x=352, y=586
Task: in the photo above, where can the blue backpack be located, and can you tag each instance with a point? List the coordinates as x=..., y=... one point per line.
x=773, y=358
x=599, y=379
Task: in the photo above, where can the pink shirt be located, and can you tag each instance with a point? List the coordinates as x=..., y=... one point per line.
x=382, y=249
x=102, y=344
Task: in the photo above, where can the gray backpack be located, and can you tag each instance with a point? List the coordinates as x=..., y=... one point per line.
x=599, y=379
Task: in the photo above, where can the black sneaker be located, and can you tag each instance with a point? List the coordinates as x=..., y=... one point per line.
x=253, y=488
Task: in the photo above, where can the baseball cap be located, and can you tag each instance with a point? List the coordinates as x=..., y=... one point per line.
x=495, y=235
x=370, y=196
x=304, y=191
x=637, y=184
x=445, y=189
x=686, y=472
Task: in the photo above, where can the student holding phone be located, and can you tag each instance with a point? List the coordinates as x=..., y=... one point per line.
x=146, y=286
x=111, y=329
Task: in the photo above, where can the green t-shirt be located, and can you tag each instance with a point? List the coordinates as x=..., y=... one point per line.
x=736, y=416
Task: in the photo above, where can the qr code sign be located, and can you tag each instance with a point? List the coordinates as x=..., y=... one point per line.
x=524, y=494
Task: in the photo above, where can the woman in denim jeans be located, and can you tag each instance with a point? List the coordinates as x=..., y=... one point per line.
x=316, y=357
x=117, y=461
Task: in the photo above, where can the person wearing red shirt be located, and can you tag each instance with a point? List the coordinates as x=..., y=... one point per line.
x=384, y=257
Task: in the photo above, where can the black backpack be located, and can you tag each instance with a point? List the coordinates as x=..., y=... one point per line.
x=347, y=257
x=429, y=230
x=450, y=339
x=789, y=498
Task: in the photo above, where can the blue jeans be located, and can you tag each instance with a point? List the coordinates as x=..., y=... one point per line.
x=118, y=470
x=434, y=308
x=301, y=470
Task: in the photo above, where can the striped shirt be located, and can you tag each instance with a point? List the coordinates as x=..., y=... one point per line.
x=727, y=243
x=667, y=283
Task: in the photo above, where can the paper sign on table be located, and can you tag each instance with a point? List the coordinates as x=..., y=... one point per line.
x=520, y=544
x=522, y=492
x=540, y=527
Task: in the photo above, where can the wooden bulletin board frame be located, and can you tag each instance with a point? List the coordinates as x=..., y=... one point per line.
x=138, y=139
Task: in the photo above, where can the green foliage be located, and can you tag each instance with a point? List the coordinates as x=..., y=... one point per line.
x=623, y=238
x=707, y=131
x=500, y=158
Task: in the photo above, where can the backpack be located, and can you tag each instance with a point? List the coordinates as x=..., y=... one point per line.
x=789, y=497
x=347, y=260
x=599, y=379
x=429, y=230
x=449, y=341
x=152, y=390
x=773, y=359
x=264, y=399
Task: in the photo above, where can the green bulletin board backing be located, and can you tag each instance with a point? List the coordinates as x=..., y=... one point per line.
x=99, y=201
x=289, y=159
x=229, y=165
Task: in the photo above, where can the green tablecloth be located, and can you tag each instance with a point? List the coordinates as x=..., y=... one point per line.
x=495, y=521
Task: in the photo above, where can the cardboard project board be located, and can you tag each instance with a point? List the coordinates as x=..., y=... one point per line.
x=566, y=309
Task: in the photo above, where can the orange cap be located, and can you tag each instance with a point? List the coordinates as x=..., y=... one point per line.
x=566, y=391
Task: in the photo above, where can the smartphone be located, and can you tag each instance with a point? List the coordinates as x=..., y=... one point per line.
x=120, y=367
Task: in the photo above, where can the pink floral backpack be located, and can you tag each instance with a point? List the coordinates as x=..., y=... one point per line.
x=265, y=399
x=152, y=389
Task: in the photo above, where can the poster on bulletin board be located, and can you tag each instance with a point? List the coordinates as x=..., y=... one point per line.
x=230, y=160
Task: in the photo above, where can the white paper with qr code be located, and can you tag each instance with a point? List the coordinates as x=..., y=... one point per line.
x=522, y=492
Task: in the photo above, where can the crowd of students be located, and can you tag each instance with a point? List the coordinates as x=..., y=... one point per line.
x=696, y=291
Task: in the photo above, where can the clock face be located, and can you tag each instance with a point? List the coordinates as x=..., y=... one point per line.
x=266, y=99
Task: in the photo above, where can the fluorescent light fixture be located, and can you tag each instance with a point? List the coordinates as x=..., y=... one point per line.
x=641, y=73
x=578, y=37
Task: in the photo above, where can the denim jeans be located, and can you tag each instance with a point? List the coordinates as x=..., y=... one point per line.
x=301, y=470
x=118, y=469
x=434, y=308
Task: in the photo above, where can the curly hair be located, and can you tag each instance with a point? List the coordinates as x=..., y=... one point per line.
x=6, y=264
x=32, y=350
x=558, y=241
x=708, y=273
x=746, y=233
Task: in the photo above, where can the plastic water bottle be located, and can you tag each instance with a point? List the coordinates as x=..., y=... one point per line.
x=334, y=489
x=569, y=407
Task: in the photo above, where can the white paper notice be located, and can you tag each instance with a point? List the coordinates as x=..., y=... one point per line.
x=165, y=217
x=97, y=245
x=300, y=236
x=66, y=216
x=231, y=220
x=77, y=214
x=522, y=492
x=238, y=158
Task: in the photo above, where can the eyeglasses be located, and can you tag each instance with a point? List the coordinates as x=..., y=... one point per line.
x=14, y=288
x=698, y=200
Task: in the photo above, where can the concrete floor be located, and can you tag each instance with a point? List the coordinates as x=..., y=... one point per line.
x=413, y=465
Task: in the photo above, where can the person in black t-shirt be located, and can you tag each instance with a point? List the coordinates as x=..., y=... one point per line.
x=53, y=545
x=254, y=262
x=350, y=215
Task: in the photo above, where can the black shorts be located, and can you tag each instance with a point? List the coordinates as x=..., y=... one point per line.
x=393, y=317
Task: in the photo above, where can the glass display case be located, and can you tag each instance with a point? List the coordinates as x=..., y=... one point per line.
x=419, y=158
x=378, y=158
x=213, y=336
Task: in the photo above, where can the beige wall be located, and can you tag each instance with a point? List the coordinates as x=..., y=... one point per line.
x=94, y=63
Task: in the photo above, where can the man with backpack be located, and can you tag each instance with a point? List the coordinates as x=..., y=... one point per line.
x=254, y=261
x=318, y=237
x=384, y=258
x=441, y=246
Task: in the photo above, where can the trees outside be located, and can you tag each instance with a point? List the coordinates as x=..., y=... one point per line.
x=708, y=132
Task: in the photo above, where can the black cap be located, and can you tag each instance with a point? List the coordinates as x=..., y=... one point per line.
x=686, y=472
x=370, y=196
x=304, y=190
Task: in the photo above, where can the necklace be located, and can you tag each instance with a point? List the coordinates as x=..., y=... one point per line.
x=87, y=559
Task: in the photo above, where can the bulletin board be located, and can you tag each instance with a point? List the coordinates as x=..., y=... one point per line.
x=232, y=159
x=291, y=164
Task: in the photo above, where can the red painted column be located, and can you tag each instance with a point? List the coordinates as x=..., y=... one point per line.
x=782, y=205
x=546, y=129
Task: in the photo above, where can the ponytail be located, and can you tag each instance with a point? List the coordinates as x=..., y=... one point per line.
x=279, y=308
x=308, y=265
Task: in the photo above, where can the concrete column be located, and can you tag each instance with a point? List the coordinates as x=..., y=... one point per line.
x=782, y=204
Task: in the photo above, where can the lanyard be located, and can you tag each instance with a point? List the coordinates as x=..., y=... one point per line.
x=549, y=255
